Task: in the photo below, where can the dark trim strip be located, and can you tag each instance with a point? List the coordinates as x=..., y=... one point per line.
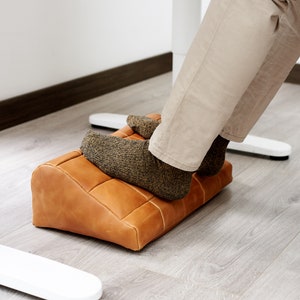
x=26, y=107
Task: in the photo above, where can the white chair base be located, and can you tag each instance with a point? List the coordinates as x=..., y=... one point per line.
x=45, y=278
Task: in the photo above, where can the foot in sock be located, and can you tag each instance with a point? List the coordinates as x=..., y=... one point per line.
x=214, y=158
x=142, y=125
x=212, y=162
x=130, y=160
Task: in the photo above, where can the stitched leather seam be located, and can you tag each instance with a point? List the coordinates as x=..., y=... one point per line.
x=49, y=163
x=81, y=187
x=201, y=187
x=136, y=232
x=98, y=184
x=161, y=213
x=136, y=189
x=136, y=208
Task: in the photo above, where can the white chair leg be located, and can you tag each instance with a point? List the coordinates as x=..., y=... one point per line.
x=257, y=145
x=45, y=278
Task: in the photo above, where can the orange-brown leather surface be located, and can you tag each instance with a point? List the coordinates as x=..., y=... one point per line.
x=71, y=194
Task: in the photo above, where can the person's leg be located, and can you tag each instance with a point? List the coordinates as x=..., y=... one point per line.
x=280, y=60
x=142, y=125
x=229, y=49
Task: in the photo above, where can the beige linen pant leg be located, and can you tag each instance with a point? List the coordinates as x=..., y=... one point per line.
x=280, y=60
x=230, y=48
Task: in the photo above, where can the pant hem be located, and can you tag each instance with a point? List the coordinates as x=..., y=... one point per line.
x=169, y=160
x=233, y=138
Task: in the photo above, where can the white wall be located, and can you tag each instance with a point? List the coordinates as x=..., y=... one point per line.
x=45, y=42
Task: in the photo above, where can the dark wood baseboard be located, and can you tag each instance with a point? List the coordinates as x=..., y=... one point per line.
x=26, y=107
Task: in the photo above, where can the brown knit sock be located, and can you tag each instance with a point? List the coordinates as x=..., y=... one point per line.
x=142, y=125
x=212, y=162
x=214, y=158
x=130, y=160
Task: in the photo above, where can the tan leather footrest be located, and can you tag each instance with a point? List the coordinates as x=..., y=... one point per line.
x=69, y=193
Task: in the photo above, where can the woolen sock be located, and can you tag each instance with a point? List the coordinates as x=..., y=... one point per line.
x=130, y=161
x=212, y=162
x=142, y=125
x=214, y=158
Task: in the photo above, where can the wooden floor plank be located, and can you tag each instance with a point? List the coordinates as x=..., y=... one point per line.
x=281, y=280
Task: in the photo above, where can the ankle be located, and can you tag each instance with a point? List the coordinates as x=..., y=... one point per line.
x=214, y=158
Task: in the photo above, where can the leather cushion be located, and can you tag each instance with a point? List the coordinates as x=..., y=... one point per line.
x=71, y=194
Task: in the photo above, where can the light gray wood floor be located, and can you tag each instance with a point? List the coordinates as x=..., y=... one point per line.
x=244, y=244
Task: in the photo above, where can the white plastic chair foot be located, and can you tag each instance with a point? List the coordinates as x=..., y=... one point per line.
x=263, y=146
x=108, y=120
x=45, y=278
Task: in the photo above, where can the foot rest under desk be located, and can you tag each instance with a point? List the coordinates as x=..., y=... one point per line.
x=69, y=193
